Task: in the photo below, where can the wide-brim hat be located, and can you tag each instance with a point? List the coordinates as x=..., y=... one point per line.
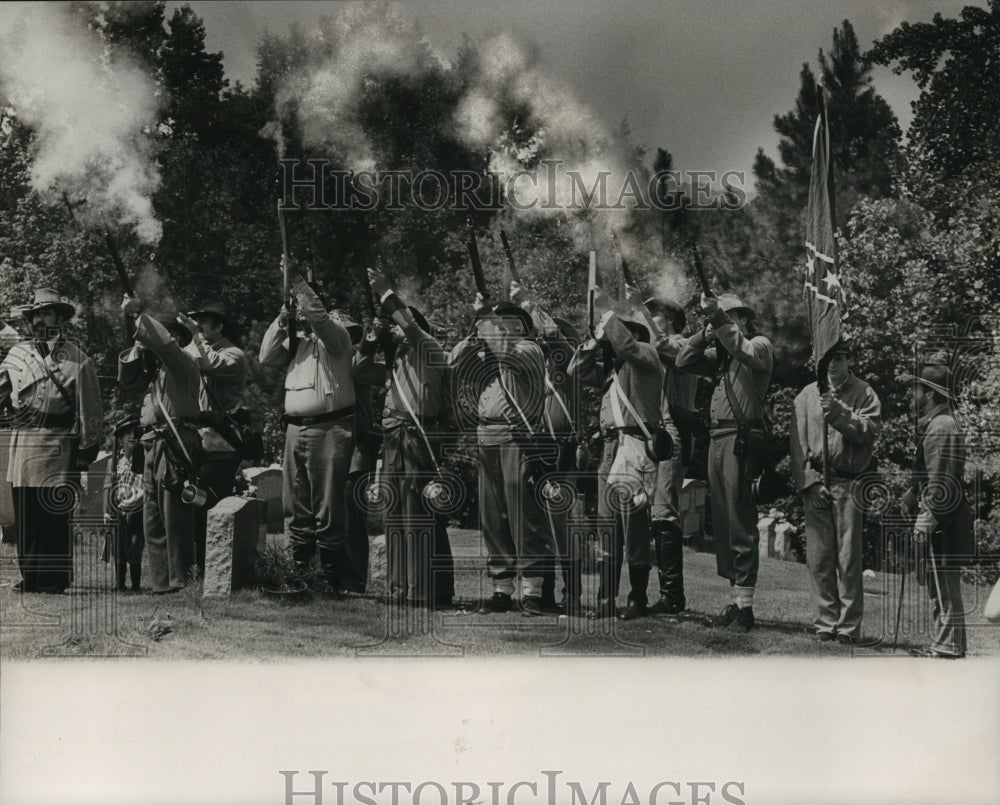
x=18, y=312
x=844, y=346
x=567, y=330
x=49, y=298
x=933, y=376
x=639, y=330
x=217, y=309
x=511, y=310
x=342, y=317
x=669, y=308
x=730, y=302
x=126, y=422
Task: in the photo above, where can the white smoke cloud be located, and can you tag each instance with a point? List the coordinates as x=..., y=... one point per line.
x=354, y=49
x=91, y=109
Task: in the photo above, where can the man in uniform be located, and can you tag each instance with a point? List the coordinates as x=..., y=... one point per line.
x=730, y=351
x=9, y=336
x=56, y=404
x=849, y=411
x=937, y=499
x=172, y=444
x=420, y=568
x=560, y=418
x=319, y=440
x=224, y=368
x=631, y=377
x=515, y=530
x=666, y=319
x=368, y=374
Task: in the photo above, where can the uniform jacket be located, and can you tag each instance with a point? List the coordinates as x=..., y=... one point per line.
x=747, y=362
x=177, y=383
x=318, y=379
x=640, y=374
x=224, y=368
x=521, y=365
x=851, y=435
x=939, y=481
x=419, y=372
x=42, y=456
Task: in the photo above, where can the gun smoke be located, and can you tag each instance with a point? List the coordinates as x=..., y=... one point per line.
x=91, y=108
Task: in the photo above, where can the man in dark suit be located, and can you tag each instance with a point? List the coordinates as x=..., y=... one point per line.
x=937, y=499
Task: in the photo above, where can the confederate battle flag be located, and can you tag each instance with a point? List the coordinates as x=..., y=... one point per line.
x=824, y=295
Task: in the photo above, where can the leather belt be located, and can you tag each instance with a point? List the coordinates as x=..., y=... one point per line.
x=719, y=424
x=318, y=419
x=628, y=430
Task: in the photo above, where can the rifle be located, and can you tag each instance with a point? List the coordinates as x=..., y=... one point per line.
x=511, y=264
x=591, y=291
x=477, y=264
x=699, y=269
x=286, y=290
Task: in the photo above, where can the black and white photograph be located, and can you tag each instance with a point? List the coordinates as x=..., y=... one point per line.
x=526, y=401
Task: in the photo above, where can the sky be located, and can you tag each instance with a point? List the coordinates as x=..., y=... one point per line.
x=701, y=78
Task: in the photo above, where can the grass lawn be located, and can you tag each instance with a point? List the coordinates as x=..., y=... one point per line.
x=92, y=620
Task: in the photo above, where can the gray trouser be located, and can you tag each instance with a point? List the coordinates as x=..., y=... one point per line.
x=316, y=464
x=948, y=634
x=169, y=524
x=833, y=554
x=734, y=516
x=515, y=528
x=669, y=480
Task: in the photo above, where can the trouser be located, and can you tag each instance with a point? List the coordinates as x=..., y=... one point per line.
x=218, y=478
x=557, y=513
x=515, y=528
x=45, y=536
x=627, y=539
x=355, y=573
x=734, y=515
x=948, y=632
x=316, y=463
x=168, y=522
x=668, y=534
x=126, y=552
x=421, y=568
x=833, y=555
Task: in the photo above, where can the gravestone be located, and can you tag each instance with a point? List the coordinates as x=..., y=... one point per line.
x=92, y=485
x=377, y=572
x=237, y=531
x=766, y=530
x=268, y=481
x=783, y=533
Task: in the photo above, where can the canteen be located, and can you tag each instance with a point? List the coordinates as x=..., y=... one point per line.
x=433, y=490
x=192, y=495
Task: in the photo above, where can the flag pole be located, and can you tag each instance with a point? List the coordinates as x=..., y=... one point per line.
x=822, y=381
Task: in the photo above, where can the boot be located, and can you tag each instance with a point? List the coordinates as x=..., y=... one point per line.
x=670, y=565
x=572, y=587
x=135, y=573
x=333, y=562
x=120, y=576
x=638, y=578
x=549, y=589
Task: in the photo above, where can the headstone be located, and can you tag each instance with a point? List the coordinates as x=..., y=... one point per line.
x=237, y=531
x=783, y=533
x=377, y=572
x=267, y=482
x=92, y=485
x=692, y=509
x=766, y=532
